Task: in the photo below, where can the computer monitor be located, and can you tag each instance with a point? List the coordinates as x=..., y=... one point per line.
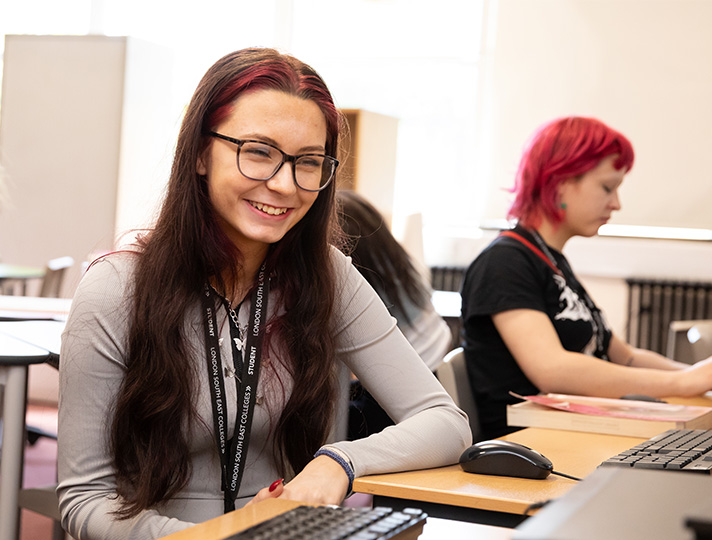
x=690, y=341
x=635, y=504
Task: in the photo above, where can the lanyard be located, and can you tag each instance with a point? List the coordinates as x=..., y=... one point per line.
x=548, y=258
x=246, y=378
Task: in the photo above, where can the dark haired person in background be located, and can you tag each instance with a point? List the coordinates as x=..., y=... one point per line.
x=393, y=274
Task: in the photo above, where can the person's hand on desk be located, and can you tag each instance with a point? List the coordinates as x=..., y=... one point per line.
x=696, y=379
x=322, y=481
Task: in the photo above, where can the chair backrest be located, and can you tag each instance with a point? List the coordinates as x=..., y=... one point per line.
x=54, y=276
x=452, y=374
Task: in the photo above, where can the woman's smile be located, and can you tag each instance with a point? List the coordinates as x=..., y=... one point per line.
x=267, y=209
x=257, y=213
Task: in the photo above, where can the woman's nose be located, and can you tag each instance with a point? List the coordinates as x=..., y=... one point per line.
x=616, y=201
x=283, y=180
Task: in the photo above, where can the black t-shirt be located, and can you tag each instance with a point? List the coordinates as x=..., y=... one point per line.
x=509, y=275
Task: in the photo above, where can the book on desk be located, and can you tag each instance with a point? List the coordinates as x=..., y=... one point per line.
x=605, y=415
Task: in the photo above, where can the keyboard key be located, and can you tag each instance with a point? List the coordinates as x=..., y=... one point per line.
x=650, y=465
x=700, y=465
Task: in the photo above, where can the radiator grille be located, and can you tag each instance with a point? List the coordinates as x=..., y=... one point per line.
x=653, y=304
x=446, y=278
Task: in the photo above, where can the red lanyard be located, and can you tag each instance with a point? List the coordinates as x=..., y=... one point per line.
x=535, y=249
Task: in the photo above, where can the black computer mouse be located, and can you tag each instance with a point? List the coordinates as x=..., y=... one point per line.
x=643, y=397
x=505, y=458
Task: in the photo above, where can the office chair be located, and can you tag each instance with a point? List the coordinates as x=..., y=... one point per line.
x=689, y=341
x=50, y=288
x=452, y=374
x=44, y=501
x=54, y=276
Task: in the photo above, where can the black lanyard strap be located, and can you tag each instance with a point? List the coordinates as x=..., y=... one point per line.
x=246, y=378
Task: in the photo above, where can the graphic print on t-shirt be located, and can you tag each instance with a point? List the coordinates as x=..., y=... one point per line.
x=575, y=309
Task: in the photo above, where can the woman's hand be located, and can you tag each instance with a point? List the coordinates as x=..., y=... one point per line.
x=272, y=492
x=695, y=379
x=322, y=481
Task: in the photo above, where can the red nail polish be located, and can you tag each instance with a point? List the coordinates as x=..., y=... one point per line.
x=275, y=484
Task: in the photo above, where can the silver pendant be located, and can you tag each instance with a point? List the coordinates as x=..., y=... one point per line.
x=238, y=343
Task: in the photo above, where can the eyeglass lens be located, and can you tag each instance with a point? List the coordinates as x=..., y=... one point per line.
x=260, y=162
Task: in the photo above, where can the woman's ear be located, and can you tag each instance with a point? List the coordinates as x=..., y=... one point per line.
x=564, y=186
x=201, y=167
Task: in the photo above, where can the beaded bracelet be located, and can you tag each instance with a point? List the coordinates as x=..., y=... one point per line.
x=341, y=461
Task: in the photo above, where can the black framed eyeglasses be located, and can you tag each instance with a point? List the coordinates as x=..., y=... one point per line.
x=260, y=161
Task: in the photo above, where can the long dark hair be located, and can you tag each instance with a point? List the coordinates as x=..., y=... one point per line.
x=156, y=403
x=379, y=257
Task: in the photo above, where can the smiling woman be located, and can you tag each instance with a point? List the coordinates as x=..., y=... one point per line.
x=257, y=200
x=211, y=363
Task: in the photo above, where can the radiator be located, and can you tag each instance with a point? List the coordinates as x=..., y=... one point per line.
x=653, y=304
x=446, y=278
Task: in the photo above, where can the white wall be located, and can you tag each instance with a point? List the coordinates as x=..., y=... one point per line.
x=642, y=66
x=645, y=68
x=59, y=139
x=85, y=141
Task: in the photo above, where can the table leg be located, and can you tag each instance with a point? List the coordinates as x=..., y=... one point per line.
x=13, y=442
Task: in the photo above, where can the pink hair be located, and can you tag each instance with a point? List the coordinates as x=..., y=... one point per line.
x=559, y=150
x=284, y=75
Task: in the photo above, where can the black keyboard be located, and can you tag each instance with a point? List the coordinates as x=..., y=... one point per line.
x=336, y=522
x=687, y=450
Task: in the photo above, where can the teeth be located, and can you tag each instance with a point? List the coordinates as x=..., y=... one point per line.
x=271, y=210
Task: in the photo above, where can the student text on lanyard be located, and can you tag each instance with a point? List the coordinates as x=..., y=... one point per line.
x=232, y=459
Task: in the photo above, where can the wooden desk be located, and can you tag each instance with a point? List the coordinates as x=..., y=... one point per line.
x=499, y=500
x=239, y=520
x=450, y=492
x=700, y=401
